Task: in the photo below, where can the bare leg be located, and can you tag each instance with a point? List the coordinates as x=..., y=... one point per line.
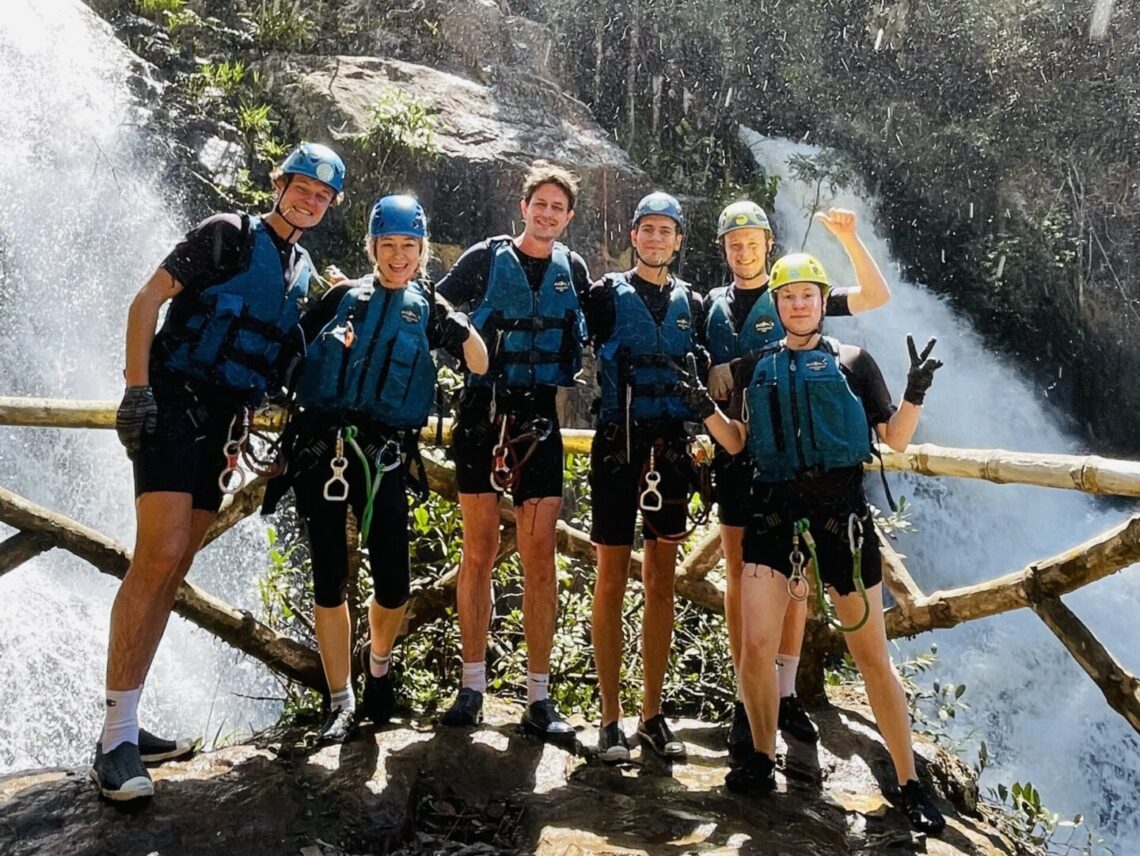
x=732, y=542
x=868, y=647
x=334, y=638
x=764, y=599
x=384, y=626
x=657, y=572
x=613, y=571
x=473, y=594
x=535, y=523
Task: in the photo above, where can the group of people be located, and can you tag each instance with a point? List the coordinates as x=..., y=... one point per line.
x=792, y=413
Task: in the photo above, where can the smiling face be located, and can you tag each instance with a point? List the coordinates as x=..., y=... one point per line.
x=800, y=305
x=303, y=201
x=397, y=259
x=656, y=239
x=746, y=251
x=547, y=214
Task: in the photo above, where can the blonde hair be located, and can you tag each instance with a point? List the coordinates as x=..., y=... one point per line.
x=425, y=250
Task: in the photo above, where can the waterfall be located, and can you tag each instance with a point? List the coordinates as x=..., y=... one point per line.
x=1042, y=718
x=82, y=225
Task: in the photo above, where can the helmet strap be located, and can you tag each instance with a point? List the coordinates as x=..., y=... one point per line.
x=297, y=232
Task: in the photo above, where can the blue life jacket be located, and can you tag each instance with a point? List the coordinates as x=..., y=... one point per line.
x=233, y=332
x=802, y=415
x=534, y=337
x=373, y=359
x=761, y=328
x=641, y=358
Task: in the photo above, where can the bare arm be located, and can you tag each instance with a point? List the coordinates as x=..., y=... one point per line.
x=475, y=353
x=872, y=291
x=730, y=433
x=899, y=429
x=142, y=319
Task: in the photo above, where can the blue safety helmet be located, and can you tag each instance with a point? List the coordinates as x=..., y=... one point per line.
x=659, y=203
x=316, y=161
x=397, y=215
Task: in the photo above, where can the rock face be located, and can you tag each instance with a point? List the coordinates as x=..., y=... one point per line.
x=412, y=789
x=486, y=135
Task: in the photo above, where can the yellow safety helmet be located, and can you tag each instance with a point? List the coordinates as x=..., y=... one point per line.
x=799, y=267
x=742, y=215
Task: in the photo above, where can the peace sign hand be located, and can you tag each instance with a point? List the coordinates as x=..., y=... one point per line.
x=921, y=374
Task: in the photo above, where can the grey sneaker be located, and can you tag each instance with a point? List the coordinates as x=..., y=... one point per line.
x=155, y=750
x=655, y=731
x=543, y=720
x=612, y=745
x=120, y=773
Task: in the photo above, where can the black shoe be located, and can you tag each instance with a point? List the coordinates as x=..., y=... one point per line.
x=379, y=702
x=120, y=773
x=467, y=709
x=544, y=720
x=655, y=731
x=739, y=736
x=794, y=720
x=920, y=810
x=339, y=727
x=756, y=774
x=612, y=745
x=155, y=750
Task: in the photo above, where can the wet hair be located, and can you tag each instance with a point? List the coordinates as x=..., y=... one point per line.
x=543, y=172
x=425, y=251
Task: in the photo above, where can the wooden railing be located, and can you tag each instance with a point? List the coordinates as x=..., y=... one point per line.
x=1039, y=586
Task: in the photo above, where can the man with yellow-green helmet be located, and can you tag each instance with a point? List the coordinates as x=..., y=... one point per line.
x=742, y=319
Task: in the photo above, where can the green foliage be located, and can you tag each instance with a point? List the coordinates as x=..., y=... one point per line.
x=281, y=24
x=156, y=10
x=226, y=77
x=828, y=166
x=257, y=124
x=1019, y=812
x=399, y=133
x=932, y=708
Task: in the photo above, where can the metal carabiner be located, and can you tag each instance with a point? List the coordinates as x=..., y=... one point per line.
x=855, y=532
x=501, y=476
x=391, y=452
x=651, y=499
x=798, y=587
x=231, y=449
x=336, y=488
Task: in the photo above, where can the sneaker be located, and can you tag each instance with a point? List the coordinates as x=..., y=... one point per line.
x=120, y=773
x=739, y=736
x=794, y=720
x=467, y=709
x=379, y=702
x=338, y=727
x=756, y=774
x=543, y=720
x=655, y=731
x=155, y=750
x=920, y=810
x=612, y=745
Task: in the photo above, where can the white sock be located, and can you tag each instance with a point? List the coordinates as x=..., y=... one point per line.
x=475, y=676
x=121, y=718
x=343, y=699
x=378, y=666
x=537, y=685
x=786, y=667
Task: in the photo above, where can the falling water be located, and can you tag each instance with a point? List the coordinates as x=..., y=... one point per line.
x=1043, y=720
x=82, y=225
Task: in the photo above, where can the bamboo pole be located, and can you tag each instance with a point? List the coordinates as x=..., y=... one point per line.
x=1120, y=687
x=240, y=629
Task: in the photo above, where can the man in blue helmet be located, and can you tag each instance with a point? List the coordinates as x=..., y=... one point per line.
x=235, y=285
x=644, y=324
x=742, y=319
x=523, y=295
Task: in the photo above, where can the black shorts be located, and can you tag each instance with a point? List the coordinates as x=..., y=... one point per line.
x=186, y=454
x=475, y=437
x=324, y=522
x=732, y=478
x=768, y=540
x=616, y=483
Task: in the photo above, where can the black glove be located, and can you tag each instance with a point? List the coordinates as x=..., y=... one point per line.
x=921, y=374
x=136, y=418
x=454, y=330
x=693, y=392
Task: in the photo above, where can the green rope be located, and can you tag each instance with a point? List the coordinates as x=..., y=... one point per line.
x=825, y=608
x=371, y=488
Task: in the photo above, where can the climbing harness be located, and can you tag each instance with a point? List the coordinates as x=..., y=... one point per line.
x=651, y=499
x=855, y=541
x=387, y=459
x=232, y=450
x=506, y=462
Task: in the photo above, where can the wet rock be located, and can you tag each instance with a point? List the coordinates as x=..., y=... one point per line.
x=412, y=789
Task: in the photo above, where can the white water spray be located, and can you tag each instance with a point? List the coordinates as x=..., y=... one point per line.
x=81, y=228
x=1042, y=718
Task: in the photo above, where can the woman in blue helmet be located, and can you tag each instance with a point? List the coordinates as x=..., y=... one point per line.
x=363, y=392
